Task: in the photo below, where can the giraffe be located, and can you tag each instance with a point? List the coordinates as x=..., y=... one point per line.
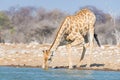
x=75, y=27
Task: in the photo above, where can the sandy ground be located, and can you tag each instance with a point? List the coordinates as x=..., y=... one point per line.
x=105, y=58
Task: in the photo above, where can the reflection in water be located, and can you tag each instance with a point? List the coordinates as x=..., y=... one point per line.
x=11, y=73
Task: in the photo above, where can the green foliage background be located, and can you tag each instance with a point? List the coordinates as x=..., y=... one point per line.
x=27, y=24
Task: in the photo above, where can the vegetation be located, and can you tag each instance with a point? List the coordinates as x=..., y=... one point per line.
x=27, y=24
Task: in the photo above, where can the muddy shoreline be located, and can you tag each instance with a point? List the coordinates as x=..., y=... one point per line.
x=30, y=55
x=63, y=67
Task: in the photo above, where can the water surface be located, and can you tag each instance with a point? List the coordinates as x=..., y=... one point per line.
x=12, y=73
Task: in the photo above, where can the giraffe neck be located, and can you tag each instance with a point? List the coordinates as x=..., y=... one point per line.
x=58, y=37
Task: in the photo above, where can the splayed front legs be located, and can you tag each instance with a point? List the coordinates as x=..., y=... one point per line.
x=78, y=40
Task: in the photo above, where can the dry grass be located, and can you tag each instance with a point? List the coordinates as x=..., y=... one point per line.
x=107, y=57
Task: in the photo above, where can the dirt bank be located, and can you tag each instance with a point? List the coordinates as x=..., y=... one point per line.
x=106, y=58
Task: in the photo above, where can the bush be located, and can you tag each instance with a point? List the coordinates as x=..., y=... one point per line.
x=28, y=24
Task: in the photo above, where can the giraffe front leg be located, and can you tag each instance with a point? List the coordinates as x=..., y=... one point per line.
x=68, y=46
x=79, y=40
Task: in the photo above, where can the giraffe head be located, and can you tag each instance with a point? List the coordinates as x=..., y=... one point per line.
x=45, y=56
x=48, y=54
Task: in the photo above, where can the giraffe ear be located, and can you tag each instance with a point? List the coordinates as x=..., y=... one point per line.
x=44, y=51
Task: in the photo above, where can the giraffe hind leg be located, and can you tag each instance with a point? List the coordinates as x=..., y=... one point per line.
x=91, y=34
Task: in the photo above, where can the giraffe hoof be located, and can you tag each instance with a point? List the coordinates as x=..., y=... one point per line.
x=70, y=67
x=50, y=59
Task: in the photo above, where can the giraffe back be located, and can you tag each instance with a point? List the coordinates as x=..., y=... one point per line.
x=80, y=22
